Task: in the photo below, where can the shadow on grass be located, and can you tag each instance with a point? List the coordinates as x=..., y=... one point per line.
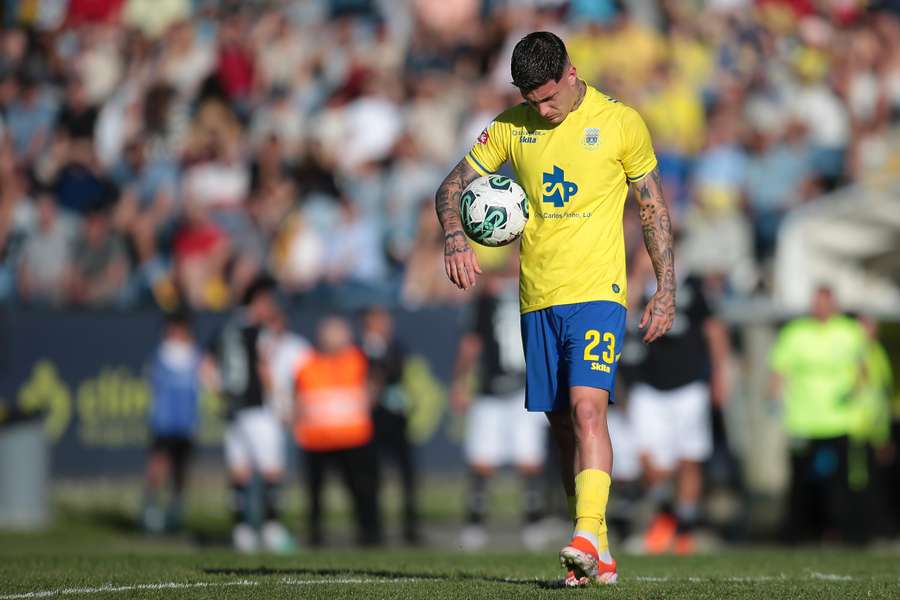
x=119, y=521
x=385, y=574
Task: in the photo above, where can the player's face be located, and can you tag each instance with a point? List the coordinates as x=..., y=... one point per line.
x=554, y=100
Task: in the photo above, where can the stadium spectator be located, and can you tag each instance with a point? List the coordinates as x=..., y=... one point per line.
x=173, y=374
x=29, y=117
x=254, y=442
x=333, y=427
x=673, y=384
x=42, y=270
x=184, y=107
x=77, y=117
x=816, y=385
x=777, y=176
x=99, y=266
x=490, y=364
x=387, y=363
x=200, y=251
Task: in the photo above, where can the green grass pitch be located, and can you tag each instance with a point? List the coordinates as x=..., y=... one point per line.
x=94, y=552
x=79, y=564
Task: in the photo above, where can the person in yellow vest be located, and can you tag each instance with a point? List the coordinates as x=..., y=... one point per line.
x=818, y=364
x=333, y=427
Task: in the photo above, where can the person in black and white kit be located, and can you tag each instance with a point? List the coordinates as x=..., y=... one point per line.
x=672, y=385
x=498, y=431
x=254, y=439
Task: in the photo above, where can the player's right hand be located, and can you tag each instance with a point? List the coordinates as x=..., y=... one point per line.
x=459, y=260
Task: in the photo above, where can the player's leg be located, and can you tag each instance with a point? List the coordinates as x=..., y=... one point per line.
x=592, y=333
x=620, y=515
x=528, y=449
x=562, y=430
x=268, y=448
x=546, y=391
x=315, y=464
x=653, y=416
x=691, y=406
x=359, y=468
x=239, y=465
x=180, y=457
x=484, y=449
x=155, y=475
x=593, y=464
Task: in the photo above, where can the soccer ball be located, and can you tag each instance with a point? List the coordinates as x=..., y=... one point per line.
x=494, y=210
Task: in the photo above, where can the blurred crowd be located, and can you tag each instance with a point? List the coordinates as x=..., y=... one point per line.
x=151, y=150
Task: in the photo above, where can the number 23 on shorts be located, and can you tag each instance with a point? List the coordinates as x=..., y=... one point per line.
x=594, y=338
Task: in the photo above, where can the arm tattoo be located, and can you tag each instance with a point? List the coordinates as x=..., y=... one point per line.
x=447, y=198
x=657, y=228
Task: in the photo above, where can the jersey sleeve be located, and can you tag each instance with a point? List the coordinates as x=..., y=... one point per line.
x=637, y=156
x=491, y=149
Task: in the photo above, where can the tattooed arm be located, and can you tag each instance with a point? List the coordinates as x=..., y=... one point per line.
x=459, y=259
x=657, y=228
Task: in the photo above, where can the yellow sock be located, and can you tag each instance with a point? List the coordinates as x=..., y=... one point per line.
x=570, y=500
x=592, y=494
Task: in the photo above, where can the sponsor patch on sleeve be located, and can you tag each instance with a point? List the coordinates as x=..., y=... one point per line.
x=483, y=138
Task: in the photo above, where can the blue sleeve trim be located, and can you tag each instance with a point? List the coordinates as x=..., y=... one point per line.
x=638, y=178
x=480, y=166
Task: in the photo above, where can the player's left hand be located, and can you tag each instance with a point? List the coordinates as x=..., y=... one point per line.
x=658, y=316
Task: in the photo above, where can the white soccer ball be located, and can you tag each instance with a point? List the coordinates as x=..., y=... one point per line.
x=494, y=210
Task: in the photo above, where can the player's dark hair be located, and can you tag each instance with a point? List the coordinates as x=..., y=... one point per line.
x=261, y=285
x=537, y=58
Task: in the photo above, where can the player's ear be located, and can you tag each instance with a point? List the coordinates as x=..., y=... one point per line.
x=571, y=74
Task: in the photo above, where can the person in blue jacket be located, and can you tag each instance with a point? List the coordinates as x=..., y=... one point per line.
x=174, y=379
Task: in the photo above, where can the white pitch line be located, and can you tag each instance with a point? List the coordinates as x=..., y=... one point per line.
x=830, y=576
x=200, y=584
x=175, y=585
x=170, y=585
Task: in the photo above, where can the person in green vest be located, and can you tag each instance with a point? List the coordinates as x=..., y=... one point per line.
x=818, y=367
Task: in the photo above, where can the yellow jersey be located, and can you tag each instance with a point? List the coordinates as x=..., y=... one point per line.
x=576, y=177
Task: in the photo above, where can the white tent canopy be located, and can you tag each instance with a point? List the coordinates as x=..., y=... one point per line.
x=849, y=240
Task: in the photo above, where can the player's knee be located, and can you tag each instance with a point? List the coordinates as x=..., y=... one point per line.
x=588, y=414
x=240, y=475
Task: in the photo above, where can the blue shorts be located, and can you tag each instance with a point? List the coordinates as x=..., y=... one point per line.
x=569, y=345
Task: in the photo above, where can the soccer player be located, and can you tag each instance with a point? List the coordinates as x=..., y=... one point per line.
x=672, y=389
x=254, y=440
x=576, y=152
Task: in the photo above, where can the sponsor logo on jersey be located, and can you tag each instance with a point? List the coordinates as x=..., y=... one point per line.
x=596, y=366
x=483, y=138
x=558, y=191
x=591, y=139
x=527, y=139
